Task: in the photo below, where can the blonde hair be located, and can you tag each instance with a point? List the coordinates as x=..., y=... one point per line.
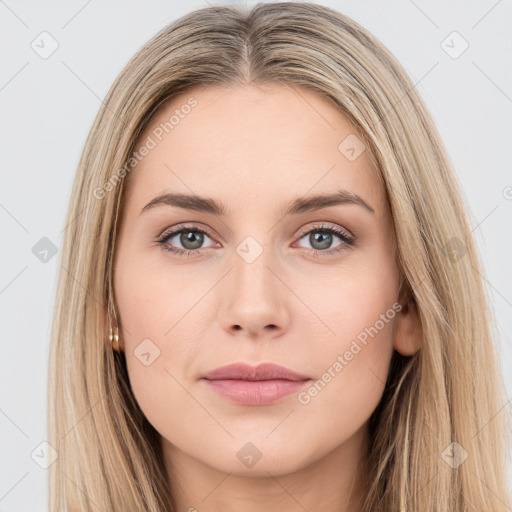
x=451, y=390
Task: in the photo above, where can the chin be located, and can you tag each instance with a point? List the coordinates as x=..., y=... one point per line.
x=261, y=457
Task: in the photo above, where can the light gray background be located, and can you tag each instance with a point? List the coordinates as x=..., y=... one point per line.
x=48, y=106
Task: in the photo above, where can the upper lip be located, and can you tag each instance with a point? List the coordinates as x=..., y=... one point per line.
x=264, y=371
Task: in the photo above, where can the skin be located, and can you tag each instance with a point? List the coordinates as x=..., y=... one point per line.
x=255, y=149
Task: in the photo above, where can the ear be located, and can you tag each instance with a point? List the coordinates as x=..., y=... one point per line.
x=408, y=331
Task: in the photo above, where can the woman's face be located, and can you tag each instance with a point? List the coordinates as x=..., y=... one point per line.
x=311, y=285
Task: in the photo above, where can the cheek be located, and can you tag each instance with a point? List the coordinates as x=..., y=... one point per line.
x=347, y=301
x=154, y=297
x=158, y=314
x=352, y=354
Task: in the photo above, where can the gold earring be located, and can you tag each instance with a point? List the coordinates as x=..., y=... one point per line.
x=114, y=338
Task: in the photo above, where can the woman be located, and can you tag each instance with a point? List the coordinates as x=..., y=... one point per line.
x=269, y=295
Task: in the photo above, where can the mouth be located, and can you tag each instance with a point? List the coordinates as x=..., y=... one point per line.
x=259, y=385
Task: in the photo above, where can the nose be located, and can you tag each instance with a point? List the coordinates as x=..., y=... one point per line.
x=254, y=300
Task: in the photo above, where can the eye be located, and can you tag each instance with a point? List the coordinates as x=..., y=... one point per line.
x=321, y=240
x=190, y=238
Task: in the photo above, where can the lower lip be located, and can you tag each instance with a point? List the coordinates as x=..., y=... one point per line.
x=258, y=392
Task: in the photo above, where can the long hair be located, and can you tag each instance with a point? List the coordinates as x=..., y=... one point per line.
x=450, y=391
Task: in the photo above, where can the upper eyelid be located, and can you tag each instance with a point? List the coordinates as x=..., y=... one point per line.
x=325, y=225
x=167, y=232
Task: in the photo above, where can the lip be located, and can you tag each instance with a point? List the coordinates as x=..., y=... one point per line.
x=263, y=371
x=254, y=385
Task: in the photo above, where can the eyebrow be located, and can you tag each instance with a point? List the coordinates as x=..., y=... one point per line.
x=297, y=206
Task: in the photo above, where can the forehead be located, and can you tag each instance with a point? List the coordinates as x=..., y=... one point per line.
x=268, y=143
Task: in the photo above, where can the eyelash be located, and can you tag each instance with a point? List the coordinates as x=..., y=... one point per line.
x=347, y=242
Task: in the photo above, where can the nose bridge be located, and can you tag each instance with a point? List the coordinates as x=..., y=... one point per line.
x=251, y=267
